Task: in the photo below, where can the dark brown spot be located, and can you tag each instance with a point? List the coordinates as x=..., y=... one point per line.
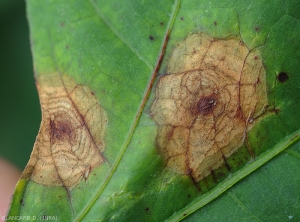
x=151, y=37
x=161, y=23
x=181, y=18
x=275, y=110
x=92, y=93
x=205, y=105
x=189, y=171
x=170, y=134
x=257, y=81
x=257, y=29
x=147, y=209
x=255, y=57
x=282, y=77
x=215, y=23
x=239, y=113
x=189, y=195
x=61, y=128
x=184, y=215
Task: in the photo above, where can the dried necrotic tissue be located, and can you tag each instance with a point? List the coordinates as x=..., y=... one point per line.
x=70, y=142
x=206, y=102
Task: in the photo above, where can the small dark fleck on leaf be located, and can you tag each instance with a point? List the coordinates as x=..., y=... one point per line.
x=184, y=215
x=92, y=93
x=215, y=23
x=282, y=77
x=258, y=80
x=206, y=105
x=257, y=29
x=151, y=37
x=67, y=46
x=62, y=24
x=182, y=18
x=189, y=195
x=255, y=57
x=276, y=111
x=161, y=23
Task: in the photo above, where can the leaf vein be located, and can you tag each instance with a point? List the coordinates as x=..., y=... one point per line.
x=293, y=153
x=242, y=206
x=140, y=57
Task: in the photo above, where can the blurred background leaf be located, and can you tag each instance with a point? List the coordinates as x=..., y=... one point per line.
x=20, y=113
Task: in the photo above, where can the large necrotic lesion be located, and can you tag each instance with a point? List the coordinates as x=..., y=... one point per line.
x=71, y=137
x=204, y=104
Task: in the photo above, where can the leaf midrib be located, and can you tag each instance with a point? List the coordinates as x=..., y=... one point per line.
x=142, y=104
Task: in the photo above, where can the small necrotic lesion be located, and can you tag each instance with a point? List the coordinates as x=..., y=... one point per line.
x=205, y=105
x=60, y=130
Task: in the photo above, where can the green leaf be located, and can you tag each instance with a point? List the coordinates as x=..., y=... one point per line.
x=269, y=194
x=97, y=66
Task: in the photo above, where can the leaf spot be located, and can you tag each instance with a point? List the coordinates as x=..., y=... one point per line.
x=70, y=140
x=213, y=90
x=282, y=77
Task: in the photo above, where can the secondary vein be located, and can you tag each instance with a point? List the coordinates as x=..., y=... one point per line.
x=136, y=52
x=241, y=205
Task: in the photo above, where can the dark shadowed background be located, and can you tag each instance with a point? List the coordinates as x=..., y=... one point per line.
x=19, y=106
